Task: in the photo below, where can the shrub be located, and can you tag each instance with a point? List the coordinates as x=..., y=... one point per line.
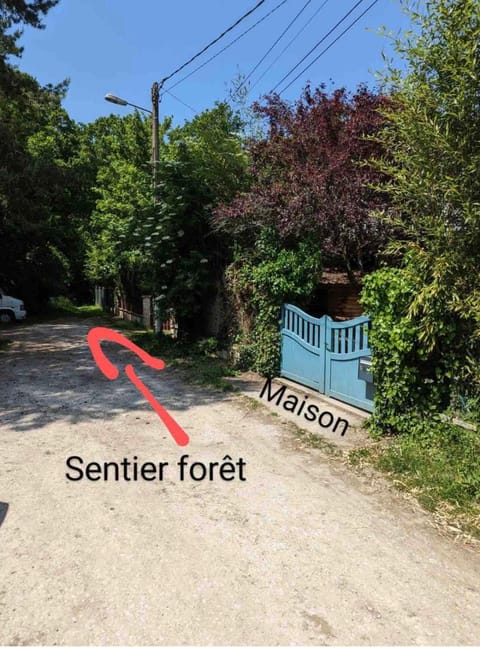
x=266, y=277
x=413, y=382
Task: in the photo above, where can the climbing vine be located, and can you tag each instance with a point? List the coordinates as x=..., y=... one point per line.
x=263, y=279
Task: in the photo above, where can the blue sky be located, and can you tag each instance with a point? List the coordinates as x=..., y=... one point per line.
x=122, y=46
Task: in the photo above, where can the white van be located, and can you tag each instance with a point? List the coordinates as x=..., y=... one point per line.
x=11, y=309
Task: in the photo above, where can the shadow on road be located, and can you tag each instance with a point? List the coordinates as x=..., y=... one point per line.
x=47, y=374
x=3, y=512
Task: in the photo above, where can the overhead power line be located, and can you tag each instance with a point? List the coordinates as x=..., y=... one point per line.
x=317, y=44
x=224, y=33
x=181, y=101
x=331, y=44
x=289, y=44
x=229, y=45
x=290, y=24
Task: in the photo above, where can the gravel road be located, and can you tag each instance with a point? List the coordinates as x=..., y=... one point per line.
x=301, y=552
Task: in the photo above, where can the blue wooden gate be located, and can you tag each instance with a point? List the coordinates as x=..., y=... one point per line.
x=303, y=347
x=325, y=355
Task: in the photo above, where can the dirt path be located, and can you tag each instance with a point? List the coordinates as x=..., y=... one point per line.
x=299, y=553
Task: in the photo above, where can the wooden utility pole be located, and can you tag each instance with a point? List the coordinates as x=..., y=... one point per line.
x=155, y=139
x=157, y=319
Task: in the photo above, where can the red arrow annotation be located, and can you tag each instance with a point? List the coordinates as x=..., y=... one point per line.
x=101, y=334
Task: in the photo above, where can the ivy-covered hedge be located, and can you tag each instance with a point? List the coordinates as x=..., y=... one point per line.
x=414, y=382
x=261, y=280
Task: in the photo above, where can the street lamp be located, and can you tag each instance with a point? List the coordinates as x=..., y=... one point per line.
x=116, y=100
x=154, y=112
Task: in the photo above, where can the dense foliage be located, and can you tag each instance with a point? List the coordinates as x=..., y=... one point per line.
x=426, y=314
x=310, y=177
x=261, y=280
x=165, y=247
x=309, y=204
x=412, y=383
x=41, y=188
x=116, y=150
x=202, y=163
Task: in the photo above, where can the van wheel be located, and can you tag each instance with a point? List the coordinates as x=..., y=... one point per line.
x=6, y=316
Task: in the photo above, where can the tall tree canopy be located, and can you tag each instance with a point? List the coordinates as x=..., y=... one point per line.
x=12, y=14
x=310, y=176
x=37, y=192
x=203, y=163
x=116, y=150
x=168, y=248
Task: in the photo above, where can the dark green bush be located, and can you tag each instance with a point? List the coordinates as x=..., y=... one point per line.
x=413, y=383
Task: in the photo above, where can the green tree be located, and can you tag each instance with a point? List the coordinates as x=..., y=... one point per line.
x=39, y=193
x=116, y=150
x=166, y=248
x=433, y=140
x=202, y=164
x=42, y=187
x=13, y=13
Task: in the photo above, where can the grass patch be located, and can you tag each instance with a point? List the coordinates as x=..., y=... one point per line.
x=311, y=440
x=199, y=361
x=64, y=306
x=125, y=325
x=441, y=468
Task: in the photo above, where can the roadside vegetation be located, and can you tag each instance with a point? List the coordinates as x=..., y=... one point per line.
x=201, y=363
x=64, y=306
x=60, y=307
x=440, y=467
x=425, y=302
